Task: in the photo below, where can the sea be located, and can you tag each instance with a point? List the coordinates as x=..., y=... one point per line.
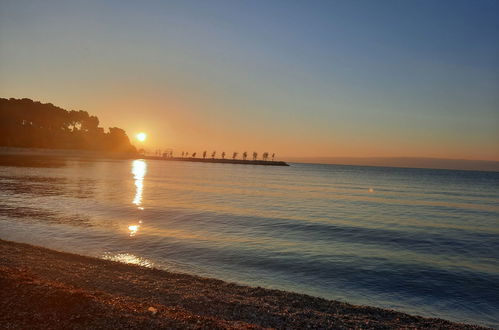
x=421, y=241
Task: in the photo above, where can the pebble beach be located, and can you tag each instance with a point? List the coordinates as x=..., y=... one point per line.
x=46, y=289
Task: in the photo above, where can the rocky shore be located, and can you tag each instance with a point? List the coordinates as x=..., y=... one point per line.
x=45, y=289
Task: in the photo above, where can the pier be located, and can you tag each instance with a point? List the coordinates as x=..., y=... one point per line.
x=220, y=161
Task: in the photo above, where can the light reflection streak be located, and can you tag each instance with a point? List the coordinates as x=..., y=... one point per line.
x=139, y=170
x=133, y=229
x=128, y=259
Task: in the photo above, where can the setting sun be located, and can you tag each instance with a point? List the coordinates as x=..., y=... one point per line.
x=141, y=137
x=311, y=164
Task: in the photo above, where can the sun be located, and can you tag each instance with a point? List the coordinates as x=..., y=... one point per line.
x=141, y=137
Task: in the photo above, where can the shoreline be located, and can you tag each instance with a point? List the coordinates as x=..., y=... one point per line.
x=77, y=153
x=44, y=288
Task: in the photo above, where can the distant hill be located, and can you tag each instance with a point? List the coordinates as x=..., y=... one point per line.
x=414, y=162
x=29, y=124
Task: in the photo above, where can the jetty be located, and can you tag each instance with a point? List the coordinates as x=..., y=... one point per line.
x=220, y=160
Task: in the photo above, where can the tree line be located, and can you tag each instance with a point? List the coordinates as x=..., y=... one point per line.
x=26, y=123
x=244, y=155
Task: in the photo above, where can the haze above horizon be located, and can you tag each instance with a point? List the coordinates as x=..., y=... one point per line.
x=311, y=79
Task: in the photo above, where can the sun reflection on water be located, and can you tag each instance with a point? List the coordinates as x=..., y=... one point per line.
x=139, y=170
x=128, y=259
x=133, y=229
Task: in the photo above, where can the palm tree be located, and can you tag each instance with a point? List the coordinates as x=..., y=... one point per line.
x=234, y=155
x=186, y=155
x=183, y=153
x=273, y=155
x=265, y=156
x=245, y=155
x=194, y=155
x=255, y=155
x=204, y=154
x=223, y=154
x=213, y=154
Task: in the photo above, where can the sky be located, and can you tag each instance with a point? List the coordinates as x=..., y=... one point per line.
x=298, y=78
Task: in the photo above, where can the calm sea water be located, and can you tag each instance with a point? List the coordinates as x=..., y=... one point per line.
x=416, y=240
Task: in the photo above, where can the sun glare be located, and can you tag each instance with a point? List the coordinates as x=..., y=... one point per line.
x=141, y=137
x=133, y=230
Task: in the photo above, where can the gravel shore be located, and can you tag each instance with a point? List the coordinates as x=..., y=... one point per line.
x=45, y=289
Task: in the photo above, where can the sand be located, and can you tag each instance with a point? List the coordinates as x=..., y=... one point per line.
x=45, y=289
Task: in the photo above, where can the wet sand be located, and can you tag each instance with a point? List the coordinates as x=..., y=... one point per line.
x=45, y=289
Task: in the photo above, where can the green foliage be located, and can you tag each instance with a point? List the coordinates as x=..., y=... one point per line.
x=25, y=123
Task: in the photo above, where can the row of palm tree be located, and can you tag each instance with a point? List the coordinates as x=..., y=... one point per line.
x=265, y=155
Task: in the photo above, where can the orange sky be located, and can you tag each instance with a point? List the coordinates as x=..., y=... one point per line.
x=309, y=81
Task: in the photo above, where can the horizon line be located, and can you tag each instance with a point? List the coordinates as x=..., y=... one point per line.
x=404, y=162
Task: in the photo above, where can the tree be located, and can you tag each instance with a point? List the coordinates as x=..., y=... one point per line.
x=265, y=156
x=223, y=154
x=255, y=155
x=118, y=140
x=90, y=123
x=273, y=155
x=213, y=154
x=234, y=155
x=204, y=154
x=74, y=120
x=245, y=155
x=194, y=155
x=183, y=153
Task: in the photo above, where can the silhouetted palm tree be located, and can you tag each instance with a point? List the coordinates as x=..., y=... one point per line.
x=213, y=154
x=223, y=154
x=255, y=155
x=273, y=155
x=245, y=155
x=204, y=154
x=194, y=155
x=265, y=156
x=234, y=155
x=183, y=153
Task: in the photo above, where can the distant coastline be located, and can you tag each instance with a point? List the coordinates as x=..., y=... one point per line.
x=406, y=162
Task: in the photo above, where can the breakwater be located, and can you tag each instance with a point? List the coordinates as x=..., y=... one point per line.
x=221, y=161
